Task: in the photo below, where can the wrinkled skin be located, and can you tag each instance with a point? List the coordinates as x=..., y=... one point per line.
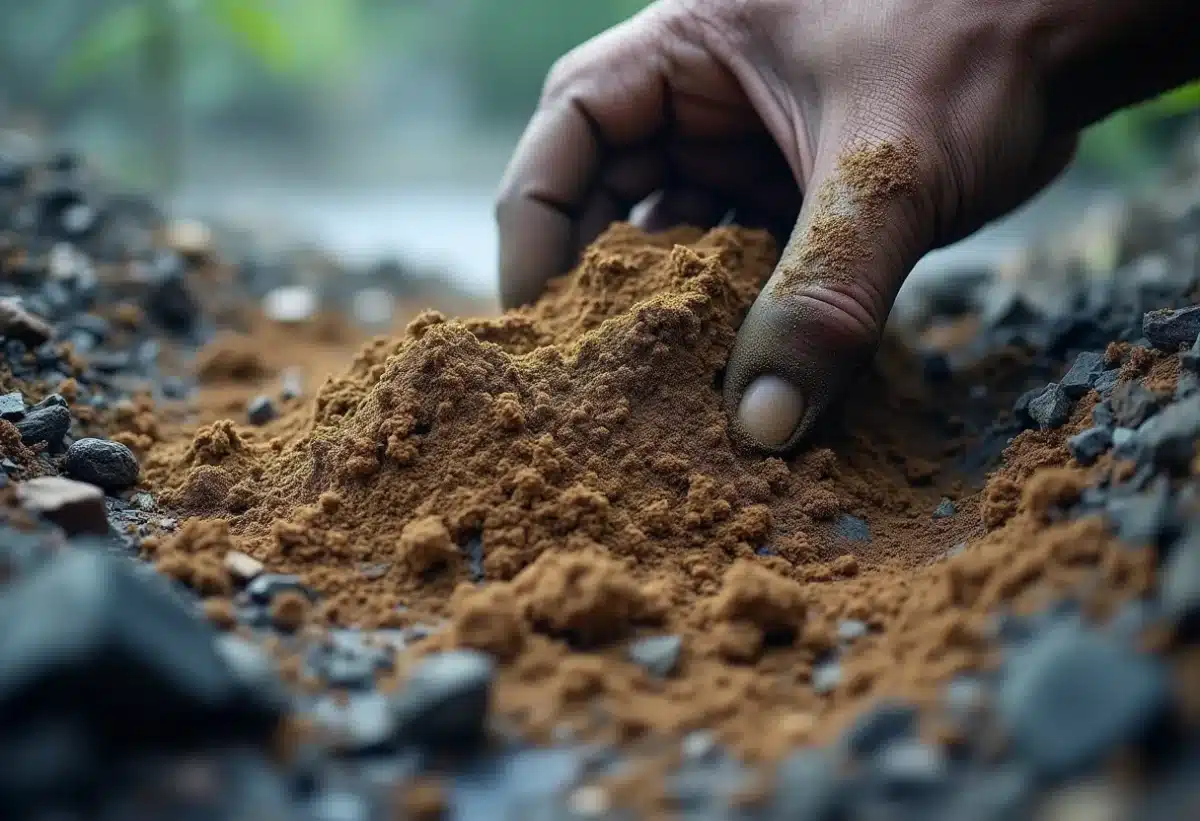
x=715, y=106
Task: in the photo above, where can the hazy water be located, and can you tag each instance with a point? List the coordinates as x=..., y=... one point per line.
x=451, y=227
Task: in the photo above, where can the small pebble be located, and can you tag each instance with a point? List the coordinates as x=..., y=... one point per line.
x=241, y=567
x=12, y=407
x=261, y=410
x=944, y=510
x=1087, y=446
x=49, y=424
x=657, y=655
x=76, y=507
x=108, y=465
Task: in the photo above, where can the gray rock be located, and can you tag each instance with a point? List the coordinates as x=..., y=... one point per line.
x=1072, y=697
x=1170, y=330
x=254, y=672
x=1087, y=446
x=851, y=630
x=826, y=677
x=1122, y=436
x=910, y=768
x=1179, y=588
x=12, y=407
x=1106, y=382
x=944, y=510
x=18, y=323
x=267, y=586
x=1102, y=415
x=446, y=699
x=360, y=723
x=261, y=410
x=1187, y=385
x=1142, y=519
x=1168, y=440
x=109, y=465
x=76, y=507
x=852, y=528
x=121, y=652
x=1083, y=373
x=887, y=722
x=1132, y=404
x=657, y=655
x=49, y=425
x=242, y=567
x=1051, y=408
x=51, y=400
x=808, y=787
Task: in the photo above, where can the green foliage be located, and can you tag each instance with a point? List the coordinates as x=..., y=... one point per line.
x=1130, y=142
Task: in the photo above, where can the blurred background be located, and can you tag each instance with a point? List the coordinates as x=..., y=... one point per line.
x=369, y=127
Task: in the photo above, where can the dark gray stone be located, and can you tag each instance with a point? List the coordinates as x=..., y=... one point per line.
x=1083, y=373
x=267, y=586
x=944, y=510
x=12, y=407
x=47, y=425
x=1050, y=409
x=52, y=400
x=1072, y=697
x=1170, y=330
x=657, y=655
x=18, y=323
x=119, y=651
x=1102, y=415
x=808, y=787
x=1187, y=385
x=910, y=768
x=261, y=410
x=1132, y=404
x=1106, y=382
x=446, y=699
x=1087, y=446
x=852, y=528
x=360, y=723
x=1145, y=518
x=255, y=673
x=106, y=464
x=1179, y=587
x=885, y=723
x=994, y=795
x=1168, y=441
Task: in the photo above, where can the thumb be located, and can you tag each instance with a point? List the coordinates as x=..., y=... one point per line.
x=868, y=217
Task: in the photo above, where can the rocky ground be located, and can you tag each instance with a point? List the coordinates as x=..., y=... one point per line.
x=128, y=693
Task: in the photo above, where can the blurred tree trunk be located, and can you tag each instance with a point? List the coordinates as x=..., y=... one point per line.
x=164, y=98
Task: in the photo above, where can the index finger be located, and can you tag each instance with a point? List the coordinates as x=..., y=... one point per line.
x=606, y=95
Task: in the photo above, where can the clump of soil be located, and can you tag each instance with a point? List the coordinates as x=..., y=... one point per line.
x=581, y=447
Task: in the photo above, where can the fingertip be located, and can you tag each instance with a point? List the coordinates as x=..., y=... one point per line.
x=770, y=410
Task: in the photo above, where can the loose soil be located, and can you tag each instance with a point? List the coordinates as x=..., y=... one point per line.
x=553, y=483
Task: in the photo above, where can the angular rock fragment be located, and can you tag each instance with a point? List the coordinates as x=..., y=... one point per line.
x=657, y=655
x=18, y=323
x=1074, y=697
x=49, y=425
x=1051, y=408
x=1170, y=330
x=1083, y=373
x=1087, y=446
x=119, y=652
x=446, y=700
x=76, y=507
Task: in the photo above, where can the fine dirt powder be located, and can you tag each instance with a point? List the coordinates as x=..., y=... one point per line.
x=575, y=456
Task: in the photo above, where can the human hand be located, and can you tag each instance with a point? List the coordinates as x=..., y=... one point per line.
x=907, y=124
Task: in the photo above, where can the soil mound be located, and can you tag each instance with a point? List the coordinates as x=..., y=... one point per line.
x=557, y=483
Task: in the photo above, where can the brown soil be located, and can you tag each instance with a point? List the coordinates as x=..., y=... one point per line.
x=582, y=441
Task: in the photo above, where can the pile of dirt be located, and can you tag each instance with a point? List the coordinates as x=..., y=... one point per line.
x=553, y=485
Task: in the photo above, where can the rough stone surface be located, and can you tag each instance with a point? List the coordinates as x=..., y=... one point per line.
x=45, y=425
x=1051, y=408
x=76, y=507
x=1073, y=696
x=1170, y=330
x=446, y=699
x=109, y=465
x=1088, y=445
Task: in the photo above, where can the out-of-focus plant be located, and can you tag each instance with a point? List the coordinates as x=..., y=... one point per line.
x=1133, y=141
x=301, y=39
